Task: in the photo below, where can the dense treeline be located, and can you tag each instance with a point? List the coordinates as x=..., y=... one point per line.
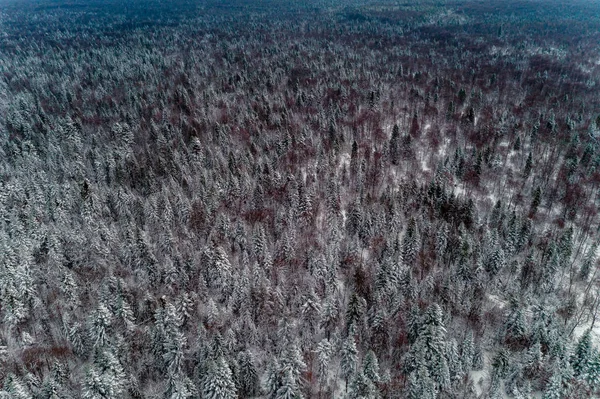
x=265, y=200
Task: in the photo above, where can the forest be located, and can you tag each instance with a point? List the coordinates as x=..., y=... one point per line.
x=273, y=199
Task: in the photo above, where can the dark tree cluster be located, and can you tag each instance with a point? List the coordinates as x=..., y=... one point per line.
x=269, y=199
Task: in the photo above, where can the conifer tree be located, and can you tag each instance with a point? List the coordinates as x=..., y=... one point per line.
x=420, y=385
x=371, y=367
x=467, y=350
x=247, y=376
x=394, y=145
x=362, y=388
x=218, y=382
x=288, y=388
x=410, y=243
x=583, y=354
x=324, y=352
x=349, y=358
x=554, y=390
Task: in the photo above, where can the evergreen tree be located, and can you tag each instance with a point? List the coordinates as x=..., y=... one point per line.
x=293, y=362
x=554, y=389
x=528, y=166
x=410, y=243
x=592, y=375
x=101, y=322
x=588, y=260
x=371, y=367
x=15, y=388
x=516, y=331
x=467, y=351
x=247, y=376
x=500, y=364
x=218, y=382
x=536, y=200
x=583, y=354
x=534, y=360
x=329, y=315
x=288, y=388
x=324, y=351
x=478, y=359
x=420, y=385
x=349, y=358
x=362, y=388
x=496, y=261
x=453, y=358
x=355, y=310
x=394, y=145
x=429, y=349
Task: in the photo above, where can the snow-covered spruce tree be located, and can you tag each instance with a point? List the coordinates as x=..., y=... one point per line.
x=247, y=375
x=105, y=378
x=420, y=385
x=362, y=388
x=371, y=367
x=324, y=352
x=429, y=349
x=293, y=361
x=100, y=327
x=288, y=388
x=592, y=377
x=554, y=389
x=15, y=388
x=348, y=358
x=583, y=354
x=218, y=381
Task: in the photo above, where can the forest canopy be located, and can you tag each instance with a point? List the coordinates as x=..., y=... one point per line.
x=318, y=199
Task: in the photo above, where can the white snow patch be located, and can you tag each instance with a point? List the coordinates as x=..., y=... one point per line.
x=496, y=300
x=424, y=166
x=344, y=161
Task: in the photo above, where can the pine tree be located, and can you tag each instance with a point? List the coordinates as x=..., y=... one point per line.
x=420, y=385
x=349, y=358
x=587, y=264
x=293, y=361
x=394, y=145
x=354, y=159
x=592, y=375
x=429, y=349
x=247, y=377
x=410, y=243
x=583, y=354
x=467, y=350
x=15, y=388
x=362, y=388
x=496, y=261
x=500, y=364
x=329, y=315
x=355, y=310
x=528, y=166
x=220, y=273
x=478, y=358
x=180, y=387
x=274, y=379
x=288, y=388
x=454, y=363
x=101, y=322
x=371, y=367
x=554, y=390
x=218, y=382
x=324, y=351
x=535, y=201
x=516, y=331
x=534, y=360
